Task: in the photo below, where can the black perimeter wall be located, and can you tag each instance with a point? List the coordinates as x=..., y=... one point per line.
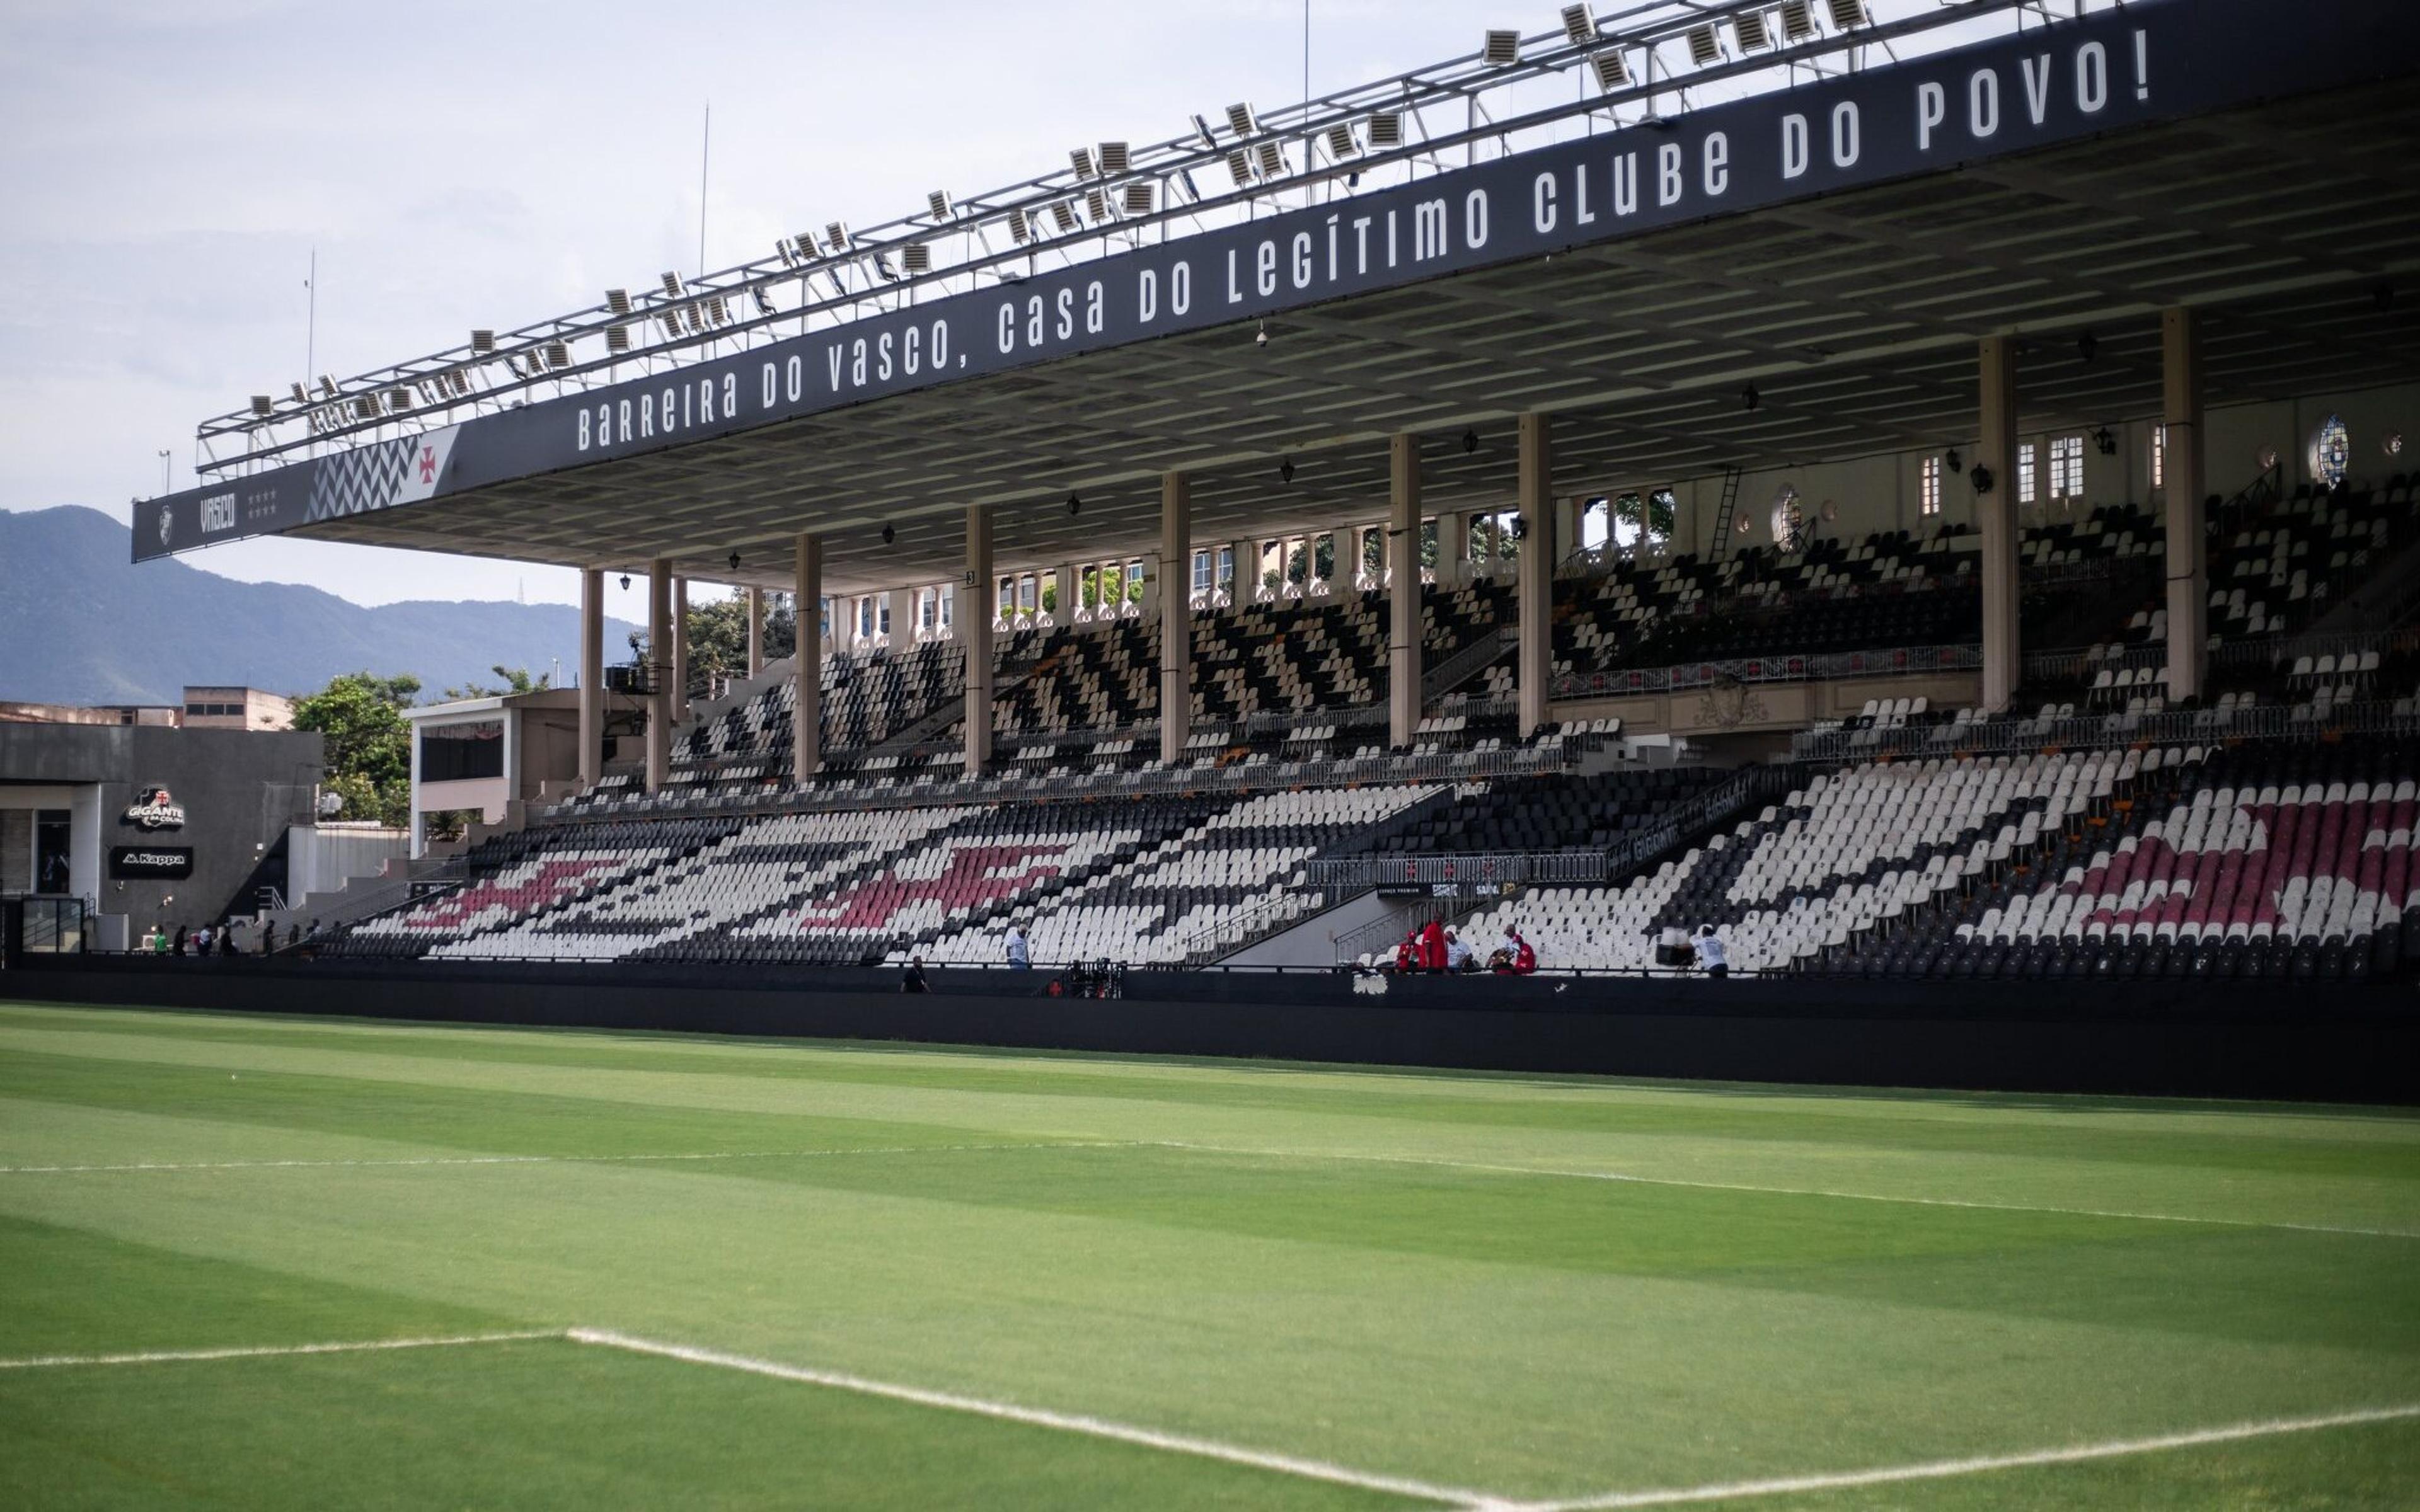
x=2227, y=1039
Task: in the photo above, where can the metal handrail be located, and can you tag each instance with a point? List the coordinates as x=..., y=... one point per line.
x=1483, y=869
x=2007, y=736
x=1700, y=811
x=1827, y=667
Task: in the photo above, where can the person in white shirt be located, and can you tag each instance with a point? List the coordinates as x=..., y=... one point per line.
x=1710, y=952
x=1018, y=958
x=1457, y=955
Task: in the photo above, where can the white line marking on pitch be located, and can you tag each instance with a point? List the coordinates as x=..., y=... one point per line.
x=1942, y=1469
x=1041, y=1418
x=558, y=1160
x=1782, y=1191
x=260, y=1351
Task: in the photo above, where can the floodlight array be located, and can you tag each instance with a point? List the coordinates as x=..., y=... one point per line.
x=1114, y=195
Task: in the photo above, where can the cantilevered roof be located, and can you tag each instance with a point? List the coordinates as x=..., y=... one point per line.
x=2254, y=164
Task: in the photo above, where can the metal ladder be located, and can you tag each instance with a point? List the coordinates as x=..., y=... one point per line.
x=1721, y=546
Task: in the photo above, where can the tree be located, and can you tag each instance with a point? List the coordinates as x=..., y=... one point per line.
x=368, y=742
x=516, y=680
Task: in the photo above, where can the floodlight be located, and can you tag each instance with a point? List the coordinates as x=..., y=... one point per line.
x=1017, y=227
x=938, y=200
x=617, y=338
x=1613, y=71
x=1797, y=20
x=1503, y=48
x=1579, y=26
x=458, y=383
x=836, y=236
x=1113, y=158
x=1753, y=34
x=1096, y=204
x=1847, y=13
x=671, y=285
x=398, y=401
x=918, y=257
x=483, y=341
x=618, y=300
x=263, y=406
x=1704, y=47
x=1272, y=156
x=717, y=311
x=558, y=354
x=327, y=387
x=1139, y=197
x=1239, y=119
x=1082, y=159
x=1386, y=130
x=1064, y=213
x=804, y=244
x=1239, y=168
x=299, y=398
x=1340, y=140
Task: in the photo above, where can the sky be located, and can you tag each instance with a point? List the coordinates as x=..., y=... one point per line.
x=171, y=168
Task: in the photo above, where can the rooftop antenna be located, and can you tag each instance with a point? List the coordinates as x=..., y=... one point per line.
x=704, y=150
x=311, y=318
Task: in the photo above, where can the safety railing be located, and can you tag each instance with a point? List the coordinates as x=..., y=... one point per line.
x=1474, y=874
x=1896, y=661
x=1462, y=666
x=2006, y=736
x=1752, y=784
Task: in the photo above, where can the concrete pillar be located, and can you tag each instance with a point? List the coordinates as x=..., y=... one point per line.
x=592, y=675
x=903, y=618
x=660, y=672
x=680, y=651
x=1175, y=615
x=1343, y=544
x=1996, y=517
x=1454, y=548
x=807, y=663
x=756, y=633
x=1403, y=597
x=1535, y=587
x=975, y=629
x=2188, y=548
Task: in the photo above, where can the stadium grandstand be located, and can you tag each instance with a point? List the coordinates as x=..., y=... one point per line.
x=1672, y=766
x=1919, y=489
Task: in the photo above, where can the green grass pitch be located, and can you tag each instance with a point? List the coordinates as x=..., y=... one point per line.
x=886, y=1276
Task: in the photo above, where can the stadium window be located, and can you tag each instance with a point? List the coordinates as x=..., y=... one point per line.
x=2066, y=467
x=882, y=616
x=2025, y=490
x=1226, y=566
x=1203, y=570
x=2159, y=456
x=1134, y=582
x=1927, y=492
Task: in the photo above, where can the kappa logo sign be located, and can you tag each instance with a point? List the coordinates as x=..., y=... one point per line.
x=153, y=808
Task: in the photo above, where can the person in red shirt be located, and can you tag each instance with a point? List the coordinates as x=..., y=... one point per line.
x=1407, y=955
x=1432, y=945
x=1515, y=955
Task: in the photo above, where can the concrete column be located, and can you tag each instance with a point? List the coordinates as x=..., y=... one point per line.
x=1454, y=548
x=1175, y=615
x=975, y=629
x=756, y=633
x=2188, y=548
x=1403, y=597
x=592, y=676
x=1996, y=517
x=1343, y=543
x=807, y=663
x=1247, y=575
x=660, y=672
x=903, y=618
x=1535, y=586
x=680, y=651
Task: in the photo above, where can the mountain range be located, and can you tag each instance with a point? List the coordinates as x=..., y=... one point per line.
x=80, y=623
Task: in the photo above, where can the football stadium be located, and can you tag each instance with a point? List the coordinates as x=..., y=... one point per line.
x=1674, y=764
